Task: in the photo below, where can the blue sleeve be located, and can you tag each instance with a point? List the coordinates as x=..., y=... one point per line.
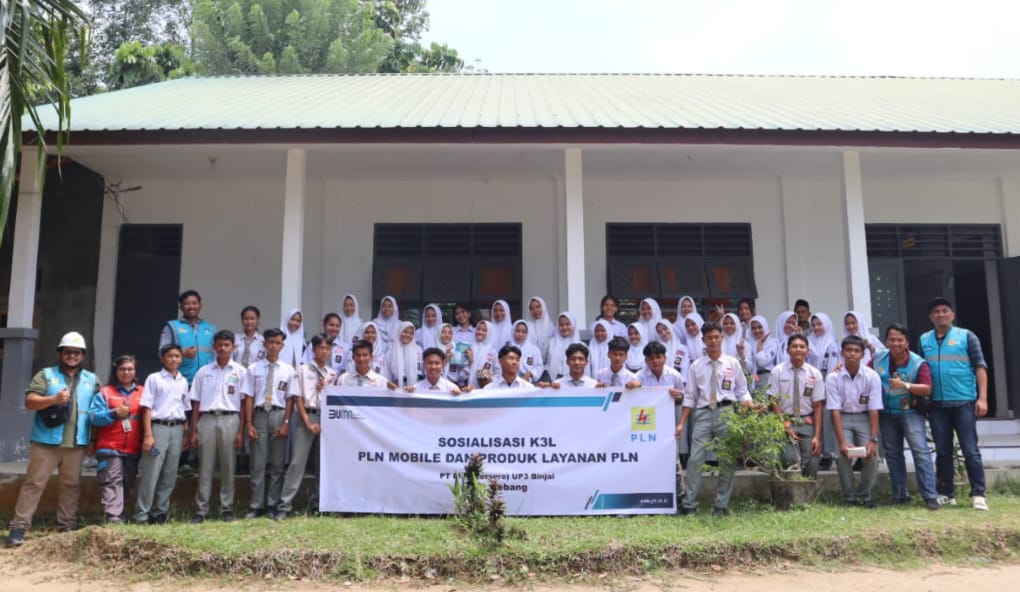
x=977, y=357
x=100, y=413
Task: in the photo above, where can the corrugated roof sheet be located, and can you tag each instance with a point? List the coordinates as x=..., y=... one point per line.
x=787, y=103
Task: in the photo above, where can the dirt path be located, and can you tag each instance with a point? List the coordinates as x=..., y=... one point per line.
x=938, y=578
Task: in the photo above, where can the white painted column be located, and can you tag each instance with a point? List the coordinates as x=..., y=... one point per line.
x=1009, y=192
x=21, y=298
x=855, y=241
x=573, y=233
x=292, y=248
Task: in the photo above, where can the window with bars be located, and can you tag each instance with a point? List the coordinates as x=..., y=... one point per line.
x=710, y=262
x=934, y=241
x=447, y=264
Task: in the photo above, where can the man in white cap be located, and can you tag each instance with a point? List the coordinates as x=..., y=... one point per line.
x=60, y=396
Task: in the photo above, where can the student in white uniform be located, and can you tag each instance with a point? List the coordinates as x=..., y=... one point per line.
x=293, y=326
x=763, y=350
x=577, y=362
x=483, y=355
x=616, y=374
x=598, y=348
x=567, y=333
x=649, y=313
x=608, y=309
x=786, y=325
x=733, y=342
x=387, y=323
x=431, y=322
x=677, y=356
x=745, y=312
x=463, y=330
x=264, y=389
x=823, y=351
x=404, y=359
x=350, y=324
x=502, y=327
x=340, y=353
x=638, y=337
x=457, y=367
x=852, y=325
x=692, y=335
x=684, y=307
x=509, y=367
x=532, y=364
x=540, y=329
x=248, y=347
x=370, y=333
x=216, y=427
x=434, y=382
x=797, y=393
x=362, y=375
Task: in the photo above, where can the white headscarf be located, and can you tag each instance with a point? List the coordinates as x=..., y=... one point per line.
x=819, y=345
x=402, y=359
x=294, y=343
x=598, y=351
x=650, y=323
x=480, y=352
x=751, y=341
x=429, y=336
x=863, y=332
x=636, y=353
x=378, y=353
x=540, y=330
x=695, y=346
x=350, y=326
x=558, y=347
x=389, y=328
x=531, y=359
x=679, y=315
x=504, y=330
x=729, y=342
x=673, y=344
x=780, y=335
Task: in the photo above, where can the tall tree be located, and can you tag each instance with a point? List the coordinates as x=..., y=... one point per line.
x=405, y=21
x=33, y=49
x=135, y=64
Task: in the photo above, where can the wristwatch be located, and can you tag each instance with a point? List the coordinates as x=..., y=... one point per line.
x=873, y=439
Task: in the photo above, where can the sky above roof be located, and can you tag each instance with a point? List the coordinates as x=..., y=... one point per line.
x=971, y=38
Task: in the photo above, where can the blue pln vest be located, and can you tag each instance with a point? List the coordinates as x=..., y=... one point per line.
x=201, y=337
x=893, y=399
x=56, y=381
x=952, y=376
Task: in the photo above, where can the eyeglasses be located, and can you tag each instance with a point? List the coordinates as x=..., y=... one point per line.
x=71, y=352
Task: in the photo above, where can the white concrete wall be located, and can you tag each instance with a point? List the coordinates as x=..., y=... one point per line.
x=944, y=200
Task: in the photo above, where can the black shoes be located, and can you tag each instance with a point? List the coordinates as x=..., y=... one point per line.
x=15, y=538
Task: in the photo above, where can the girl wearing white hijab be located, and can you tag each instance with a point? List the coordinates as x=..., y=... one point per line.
x=567, y=333
x=638, y=339
x=483, y=357
x=403, y=361
x=684, y=307
x=502, y=326
x=734, y=344
x=763, y=346
x=370, y=333
x=458, y=373
x=540, y=328
x=598, y=348
x=649, y=313
x=823, y=351
x=431, y=322
x=293, y=326
x=676, y=349
x=784, y=328
x=692, y=335
x=852, y=326
x=387, y=323
x=532, y=364
x=351, y=321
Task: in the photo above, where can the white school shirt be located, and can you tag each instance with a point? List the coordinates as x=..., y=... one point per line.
x=465, y=335
x=498, y=382
x=616, y=328
x=731, y=384
x=812, y=388
x=531, y=360
x=254, y=385
x=354, y=379
x=166, y=395
x=339, y=355
x=218, y=389
x=670, y=377
x=441, y=386
x=584, y=382
x=855, y=394
x=305, y=384
x=256, y=348
x=765, y=360
x=605, y=376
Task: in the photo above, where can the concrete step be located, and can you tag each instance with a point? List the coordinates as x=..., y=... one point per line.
x=999, y=427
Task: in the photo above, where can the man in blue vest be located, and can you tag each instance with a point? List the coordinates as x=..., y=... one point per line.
x=959, y=396
x=191, y=333
x=60, y=396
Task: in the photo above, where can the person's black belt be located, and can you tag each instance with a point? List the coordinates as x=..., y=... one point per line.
x=852, y=412
x=168, y=422
x=723, y=403
x=313, y=410
x=275, y=407
x=219, y=412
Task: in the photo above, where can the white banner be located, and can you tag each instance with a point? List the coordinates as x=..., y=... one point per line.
x=554, y=452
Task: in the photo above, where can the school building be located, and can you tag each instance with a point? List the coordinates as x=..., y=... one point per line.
x=871, y=194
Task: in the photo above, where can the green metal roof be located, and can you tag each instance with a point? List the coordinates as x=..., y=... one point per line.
x=571, y=101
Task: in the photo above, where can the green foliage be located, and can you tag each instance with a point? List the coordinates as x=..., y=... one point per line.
x=478, y=508
x=754, y=437
x=136, y=64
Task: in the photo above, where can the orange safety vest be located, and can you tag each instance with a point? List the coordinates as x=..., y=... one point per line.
x=113, y=436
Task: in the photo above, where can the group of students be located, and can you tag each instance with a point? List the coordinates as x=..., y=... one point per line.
x=217, y=389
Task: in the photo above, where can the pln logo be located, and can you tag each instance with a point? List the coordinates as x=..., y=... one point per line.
x=642, y=419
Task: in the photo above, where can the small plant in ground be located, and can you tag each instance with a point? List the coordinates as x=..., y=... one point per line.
x=478, y=507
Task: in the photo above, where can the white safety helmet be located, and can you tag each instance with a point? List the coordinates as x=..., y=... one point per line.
x=72, y=339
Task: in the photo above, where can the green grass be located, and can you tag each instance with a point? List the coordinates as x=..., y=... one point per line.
x=559, y=548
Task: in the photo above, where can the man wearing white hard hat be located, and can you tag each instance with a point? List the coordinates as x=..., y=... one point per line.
x=60, y=396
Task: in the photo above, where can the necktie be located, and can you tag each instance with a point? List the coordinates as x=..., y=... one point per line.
x=268, y=403
x=246, y=356
x=796, y=392
x=575, y=382
x=713, y=393
x=616, y=380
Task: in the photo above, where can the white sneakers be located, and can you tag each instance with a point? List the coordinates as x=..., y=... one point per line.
x=945, y=500
x=980, y=503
